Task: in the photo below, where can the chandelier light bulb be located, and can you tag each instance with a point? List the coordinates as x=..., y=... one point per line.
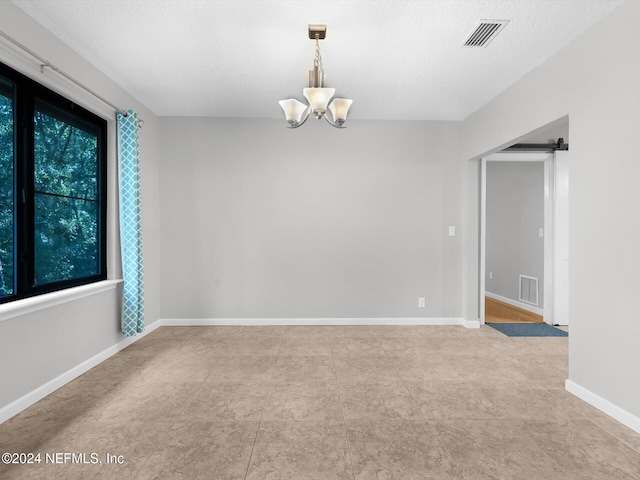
x=318, y=99
x=339, y=109
x=293, y=111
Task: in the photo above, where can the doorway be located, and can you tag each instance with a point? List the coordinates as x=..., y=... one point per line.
x=529, y=249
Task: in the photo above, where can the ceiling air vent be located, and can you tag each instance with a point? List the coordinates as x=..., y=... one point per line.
x=484, y=32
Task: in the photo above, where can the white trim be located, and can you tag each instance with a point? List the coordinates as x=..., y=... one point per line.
x=483, y=238
x=547, y=158
x=549, y=236
x=42, y=391
x=515, y=303
x=620, y=414
x=471, y=323
x=561, y=195
x=186, y=322
x=518, y=157
x=25, y=306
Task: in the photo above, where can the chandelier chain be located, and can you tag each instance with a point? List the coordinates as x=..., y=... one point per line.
x=318, y=59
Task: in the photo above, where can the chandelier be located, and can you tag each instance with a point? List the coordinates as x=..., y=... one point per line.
x=317, y=95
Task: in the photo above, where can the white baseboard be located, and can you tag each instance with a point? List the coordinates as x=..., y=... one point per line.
x=42, y=391
x=515, y=303
x=471, y=323
x=183, y=322
x=603, y=405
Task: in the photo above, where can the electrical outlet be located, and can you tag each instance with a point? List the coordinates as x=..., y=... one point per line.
x=490, y=275
x=422, y=302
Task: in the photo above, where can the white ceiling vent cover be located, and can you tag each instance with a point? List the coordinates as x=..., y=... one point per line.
x=484, y=32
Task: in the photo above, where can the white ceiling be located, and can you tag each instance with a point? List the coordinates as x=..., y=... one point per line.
x=397, y=59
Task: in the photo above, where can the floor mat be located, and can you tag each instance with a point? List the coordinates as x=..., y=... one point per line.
x=528, y=330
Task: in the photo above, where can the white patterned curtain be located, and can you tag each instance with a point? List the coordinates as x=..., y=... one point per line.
x=130, y=226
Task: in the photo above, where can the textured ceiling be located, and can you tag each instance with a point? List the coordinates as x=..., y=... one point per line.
x=397, y=59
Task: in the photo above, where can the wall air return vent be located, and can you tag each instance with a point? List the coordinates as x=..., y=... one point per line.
x=484, y=32
x=529, y=289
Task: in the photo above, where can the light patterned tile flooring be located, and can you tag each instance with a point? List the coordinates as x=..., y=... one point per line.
x=302, y=403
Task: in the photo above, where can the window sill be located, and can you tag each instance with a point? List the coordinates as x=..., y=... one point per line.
x=33, y=304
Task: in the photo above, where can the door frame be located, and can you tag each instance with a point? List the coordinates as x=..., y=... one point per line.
x=548, y=159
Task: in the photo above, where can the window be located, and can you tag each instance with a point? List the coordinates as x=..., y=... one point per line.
x=52, y=190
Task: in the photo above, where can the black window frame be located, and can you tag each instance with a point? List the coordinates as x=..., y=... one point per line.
x=26, y=94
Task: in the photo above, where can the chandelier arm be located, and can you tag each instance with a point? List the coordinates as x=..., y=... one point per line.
x=331, y=121
x=306, y=117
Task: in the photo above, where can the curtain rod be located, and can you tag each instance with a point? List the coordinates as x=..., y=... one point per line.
x=44, y=63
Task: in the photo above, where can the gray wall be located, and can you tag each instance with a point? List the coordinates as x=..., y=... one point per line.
x=262, y=221
x=515, y=212
x=594, y=82
x=37, y=347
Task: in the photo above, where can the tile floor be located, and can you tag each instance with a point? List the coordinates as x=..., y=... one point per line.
x=301, y=403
